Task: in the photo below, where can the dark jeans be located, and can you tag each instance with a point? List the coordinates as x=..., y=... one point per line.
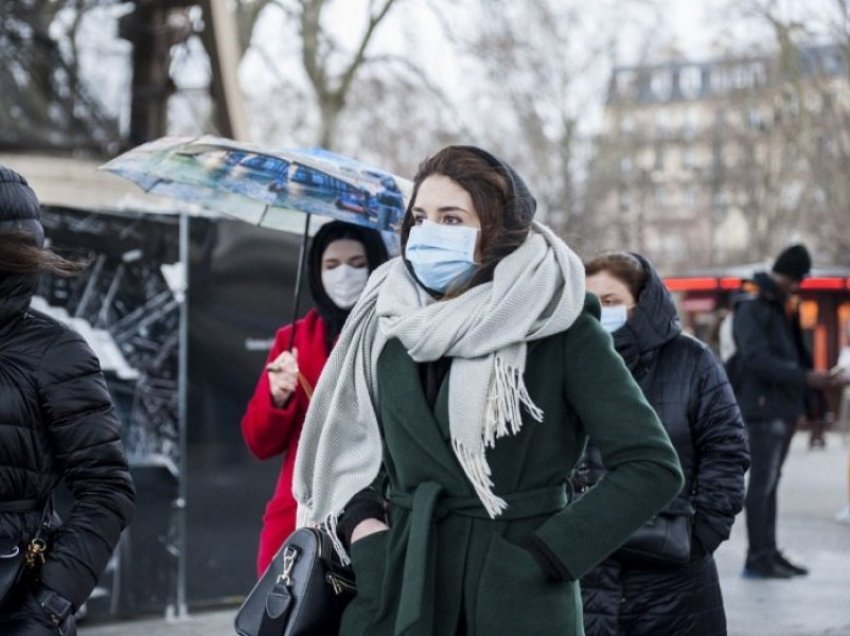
x=769, y=443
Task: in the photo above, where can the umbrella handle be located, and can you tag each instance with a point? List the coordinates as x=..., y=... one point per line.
x=299, y=277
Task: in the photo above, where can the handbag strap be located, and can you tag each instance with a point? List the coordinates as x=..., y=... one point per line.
x=45, y=524
x=22, y=505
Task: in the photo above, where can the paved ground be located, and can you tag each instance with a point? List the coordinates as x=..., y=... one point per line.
x=814, y=488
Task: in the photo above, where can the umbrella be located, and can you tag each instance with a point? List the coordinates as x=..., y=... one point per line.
x=268, y=188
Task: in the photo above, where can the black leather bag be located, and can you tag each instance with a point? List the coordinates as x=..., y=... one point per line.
x=663, y=540
x=12, y=570
x=303, y=591
x=19, y=559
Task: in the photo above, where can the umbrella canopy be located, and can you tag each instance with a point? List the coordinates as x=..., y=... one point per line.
x=269, y=188
x=264, y=187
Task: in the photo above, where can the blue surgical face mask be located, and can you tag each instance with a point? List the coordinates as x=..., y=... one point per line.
x=613, y=317
x=441, y=255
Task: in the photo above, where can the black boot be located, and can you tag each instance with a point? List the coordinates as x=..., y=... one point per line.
x=763, y=566
x=796, y=570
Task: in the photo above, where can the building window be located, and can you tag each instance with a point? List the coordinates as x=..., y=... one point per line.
x=661, y=122
x=659, y=157
x=719, y=200
x=625, y=83
x=691, y=122
x=661, y=196
x=758, y=74
x=626, y=166
x=689, y=196
x=661, y=84
x=690, y=81
x=688, y=158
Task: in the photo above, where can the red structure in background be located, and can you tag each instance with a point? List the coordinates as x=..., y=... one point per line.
x=824, y=304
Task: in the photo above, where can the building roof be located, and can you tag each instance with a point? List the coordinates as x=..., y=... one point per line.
x=683, y=80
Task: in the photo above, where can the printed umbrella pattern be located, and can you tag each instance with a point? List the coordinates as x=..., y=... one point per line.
x=264, y=187
x=269, y=188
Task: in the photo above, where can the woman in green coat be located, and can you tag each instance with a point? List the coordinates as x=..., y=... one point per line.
x=462, y=391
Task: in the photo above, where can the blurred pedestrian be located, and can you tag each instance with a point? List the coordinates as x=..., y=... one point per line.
x=775, y=373
x=687, y=386
x=460, y=395
x=340, y=260
x=58, y=424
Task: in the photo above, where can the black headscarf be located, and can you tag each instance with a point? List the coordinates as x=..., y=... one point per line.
x=521, y=205
x=653, y=323
x=376, y=254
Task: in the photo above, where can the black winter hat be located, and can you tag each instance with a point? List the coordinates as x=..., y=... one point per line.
x=19, y=207
x=793, y=262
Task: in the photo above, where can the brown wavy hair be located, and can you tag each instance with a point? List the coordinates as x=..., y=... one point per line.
x=621, y=265
x=490, y=192
x=20, y=254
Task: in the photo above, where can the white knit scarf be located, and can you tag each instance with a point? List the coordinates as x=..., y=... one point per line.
x=536, y=291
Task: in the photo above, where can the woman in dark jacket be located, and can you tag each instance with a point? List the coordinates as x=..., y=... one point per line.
x=57, y=422
x=689, y=390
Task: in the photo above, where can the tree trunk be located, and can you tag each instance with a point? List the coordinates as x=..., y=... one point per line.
x=152, y=86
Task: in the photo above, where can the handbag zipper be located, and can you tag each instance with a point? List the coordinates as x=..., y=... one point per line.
x=339, y=584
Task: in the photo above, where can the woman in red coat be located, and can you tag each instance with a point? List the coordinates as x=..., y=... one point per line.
x=340, y=260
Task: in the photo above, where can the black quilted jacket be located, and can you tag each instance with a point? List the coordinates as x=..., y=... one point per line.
x=57, y=422
x=689, y=390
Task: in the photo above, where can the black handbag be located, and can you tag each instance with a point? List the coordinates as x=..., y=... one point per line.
x=20, y=559
x=663, y=540
x=303, y=591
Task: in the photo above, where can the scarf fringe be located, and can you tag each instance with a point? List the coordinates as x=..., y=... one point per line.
x=328, y=526
x=474, y=464
x=504, y=406
x=503, y=417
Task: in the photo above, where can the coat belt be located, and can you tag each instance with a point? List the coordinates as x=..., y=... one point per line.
x=427, y=507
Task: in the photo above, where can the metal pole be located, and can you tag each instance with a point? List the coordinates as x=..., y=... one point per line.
x=182, y=410
x=302, y=258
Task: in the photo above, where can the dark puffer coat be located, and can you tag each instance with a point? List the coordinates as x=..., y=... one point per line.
x=57, y=422
x=689, y=390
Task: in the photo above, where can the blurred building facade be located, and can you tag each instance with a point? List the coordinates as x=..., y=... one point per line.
x=727, y=160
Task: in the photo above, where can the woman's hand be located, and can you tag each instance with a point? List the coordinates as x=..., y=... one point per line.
x=367, y=527
x=283, y=377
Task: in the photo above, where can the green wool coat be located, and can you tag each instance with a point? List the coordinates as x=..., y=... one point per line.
x=445, y=567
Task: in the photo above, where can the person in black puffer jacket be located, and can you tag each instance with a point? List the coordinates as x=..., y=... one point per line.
x=688, y=388
x=57, y=422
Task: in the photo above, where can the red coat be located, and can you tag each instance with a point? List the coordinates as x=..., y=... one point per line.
x=270, y=431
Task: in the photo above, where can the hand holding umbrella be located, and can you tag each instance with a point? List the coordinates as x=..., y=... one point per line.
x=283, y=377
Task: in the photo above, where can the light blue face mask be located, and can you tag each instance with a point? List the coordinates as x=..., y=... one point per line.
x=613, y=317
x=441, y=255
